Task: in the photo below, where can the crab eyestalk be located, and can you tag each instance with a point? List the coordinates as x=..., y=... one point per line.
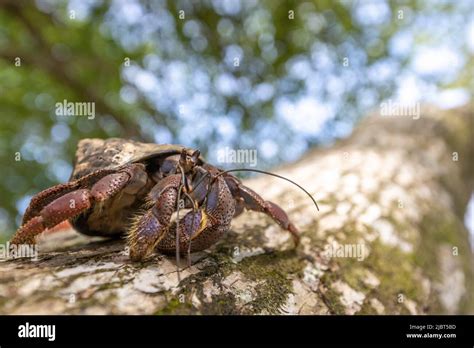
x=188, y=162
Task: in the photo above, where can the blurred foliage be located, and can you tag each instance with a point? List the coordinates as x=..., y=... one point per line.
x=207, y=74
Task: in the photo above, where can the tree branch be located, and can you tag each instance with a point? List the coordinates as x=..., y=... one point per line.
x=389, y=238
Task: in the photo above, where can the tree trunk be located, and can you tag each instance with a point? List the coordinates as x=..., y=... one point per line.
x=389, y=238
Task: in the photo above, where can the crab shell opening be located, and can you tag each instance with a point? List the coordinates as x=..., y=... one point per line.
x=95, y=154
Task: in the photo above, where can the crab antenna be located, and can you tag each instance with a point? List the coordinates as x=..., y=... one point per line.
x=273, y=174
x=194, y=212
x=183, y=182
x=177, y=234
x=258, y=171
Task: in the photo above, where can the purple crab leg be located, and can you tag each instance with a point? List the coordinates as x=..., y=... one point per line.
x=148, y=229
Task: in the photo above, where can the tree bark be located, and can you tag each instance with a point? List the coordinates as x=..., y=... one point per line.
x=389, y=238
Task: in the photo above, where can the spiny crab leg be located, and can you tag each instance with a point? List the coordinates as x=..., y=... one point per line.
x=149, y=229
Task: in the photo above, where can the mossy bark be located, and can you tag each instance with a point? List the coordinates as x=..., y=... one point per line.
x=389, y=238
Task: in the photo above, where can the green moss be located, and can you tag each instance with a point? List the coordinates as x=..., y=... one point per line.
x=367, y=308
x=273, y=272
x=389, y=264
x=396, y=274
x=175, y=306
x=354, y=277
x=440, y=228
x=221, y=304
x=396, y=270
x=331, y=299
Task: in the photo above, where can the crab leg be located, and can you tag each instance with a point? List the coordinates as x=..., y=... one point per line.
x=148, y=229
x=42, y=199
x=62, y=208
x=246, y=197
x=68, y=205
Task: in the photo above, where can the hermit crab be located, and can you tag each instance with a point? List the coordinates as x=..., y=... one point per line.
x=126, y=188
